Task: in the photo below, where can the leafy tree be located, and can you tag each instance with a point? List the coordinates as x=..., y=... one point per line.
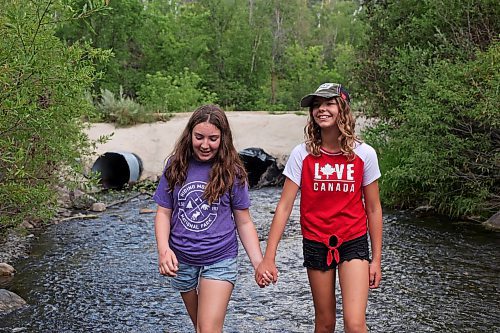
x=180, y=39
x=115, y=29
x=446, y=153
x=179, y=93
x=244, y=49
x=41, y=104
x=239, y=49
x=431, y=75
x=312, y=42
x=339, y=29
x=304, y=68
x=406, y=37
x=282, y=24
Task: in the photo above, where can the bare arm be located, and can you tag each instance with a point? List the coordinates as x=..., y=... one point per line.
x=248, y=235
x=283, y=211
x=374, y=212
x=167, y=261
x=250, y=240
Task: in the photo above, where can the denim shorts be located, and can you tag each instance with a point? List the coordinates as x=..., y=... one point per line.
x=188, y=276
x=315, y=253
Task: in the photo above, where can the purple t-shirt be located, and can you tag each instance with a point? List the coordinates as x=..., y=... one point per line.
x=201, y=234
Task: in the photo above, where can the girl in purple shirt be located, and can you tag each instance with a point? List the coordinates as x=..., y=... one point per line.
x=203, y=202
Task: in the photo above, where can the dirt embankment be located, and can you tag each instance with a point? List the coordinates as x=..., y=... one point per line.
x=277, y=134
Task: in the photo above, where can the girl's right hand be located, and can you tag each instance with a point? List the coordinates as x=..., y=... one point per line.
x=167, y=263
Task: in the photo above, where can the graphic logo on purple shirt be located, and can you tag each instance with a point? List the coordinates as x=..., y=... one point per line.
x=194, y=212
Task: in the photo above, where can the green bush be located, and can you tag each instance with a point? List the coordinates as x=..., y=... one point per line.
x=431, y=76
x=304, y=69
x=178, y=93
x=42, y=102
x=445, y=152
x=123, y=111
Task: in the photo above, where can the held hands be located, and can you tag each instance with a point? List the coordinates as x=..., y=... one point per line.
x=266, y=273
x=265, y=280
x=167, y=263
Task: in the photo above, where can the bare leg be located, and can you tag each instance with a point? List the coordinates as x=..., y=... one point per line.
x=213, y=299
x=323, y=293
x=190, y=299
x=354, y=283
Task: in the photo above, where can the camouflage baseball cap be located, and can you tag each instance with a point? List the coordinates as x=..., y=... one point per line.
x=326, y=90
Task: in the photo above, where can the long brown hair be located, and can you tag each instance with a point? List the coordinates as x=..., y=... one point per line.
x=227, y=164
x=346, y=124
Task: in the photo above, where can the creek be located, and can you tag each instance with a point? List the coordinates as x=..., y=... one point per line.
x=100, y=275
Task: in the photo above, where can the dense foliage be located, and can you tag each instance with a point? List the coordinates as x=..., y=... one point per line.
x=43, y=84
x=243, y=55
x=428, y=69
x=432, y=76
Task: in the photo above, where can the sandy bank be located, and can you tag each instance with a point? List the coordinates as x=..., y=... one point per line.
x=277, y=134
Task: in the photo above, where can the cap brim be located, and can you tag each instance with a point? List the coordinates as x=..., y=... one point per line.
x=306, y=101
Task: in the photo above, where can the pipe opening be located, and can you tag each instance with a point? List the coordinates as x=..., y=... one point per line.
x=117, y=169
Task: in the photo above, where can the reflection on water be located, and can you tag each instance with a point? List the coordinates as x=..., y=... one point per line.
x=100, y=276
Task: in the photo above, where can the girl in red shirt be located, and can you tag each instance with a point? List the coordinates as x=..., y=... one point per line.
x=337, y=175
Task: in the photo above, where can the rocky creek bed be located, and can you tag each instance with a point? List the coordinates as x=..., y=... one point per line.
x=100, y=275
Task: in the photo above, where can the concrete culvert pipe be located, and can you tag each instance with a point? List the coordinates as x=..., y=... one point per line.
x=117, y=169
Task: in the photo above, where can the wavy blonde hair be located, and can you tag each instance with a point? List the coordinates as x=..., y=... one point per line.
x=227, y=165
x=346, y=124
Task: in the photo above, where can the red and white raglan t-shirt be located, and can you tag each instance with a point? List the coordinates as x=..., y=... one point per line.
x=331, y=202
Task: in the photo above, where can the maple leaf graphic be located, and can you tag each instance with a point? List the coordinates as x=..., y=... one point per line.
x=327, y=170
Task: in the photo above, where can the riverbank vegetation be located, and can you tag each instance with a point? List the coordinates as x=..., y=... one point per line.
x=431, y=71
x=43, y=83
x=431, y=77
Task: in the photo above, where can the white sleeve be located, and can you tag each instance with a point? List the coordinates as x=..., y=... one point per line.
x=371, y=171
x=293, y=167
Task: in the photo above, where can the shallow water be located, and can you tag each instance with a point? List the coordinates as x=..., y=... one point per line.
x=101, y=276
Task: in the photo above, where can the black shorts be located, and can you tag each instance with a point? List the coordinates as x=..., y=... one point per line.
x=315, y=253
